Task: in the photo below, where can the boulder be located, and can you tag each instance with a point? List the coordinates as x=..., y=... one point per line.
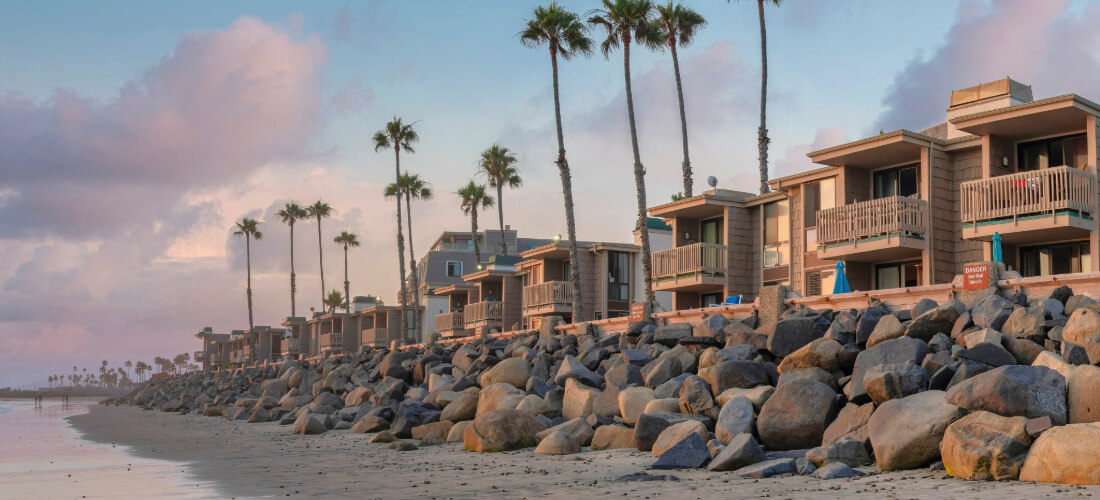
x=369, y=424
x=514, y=371
x=888, y=327
x=651, y=425
x=893, y=381
x=1065, y=455
x=836, y=470
x=431, y=439
x=985, y=446
x=1083, y=396
x=309, y=424
x=677, y=432
x=1054, y=362
x=867, y=322
x=689, y=453
x=577, y=429
x=901, y=350
x=741, y=451
x=735, y=418
x=819, y=353
x=938, y=320
x=382, y=437
x=850, y=422
x=906, y=433
x=768, y=468
x=501, y=430
x=608, y=437
x=579, y=399
x=796, y=415
x=457, y=431
x=758, y=395
x=558, y=443
x=1027, y=391
x=571, y=368
x=791, y=333
x=535, y=405
x=669, y=405
x=695, y=398
x=738, y=374
x=845, y=450
x=991, y=312
x=463, y=408
x=497, y=397
x=987, y=354
x=633, y=401
x=441, y=428
x=661, y=370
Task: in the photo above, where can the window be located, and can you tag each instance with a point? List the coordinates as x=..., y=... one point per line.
x=566, y=271
x=711, y=231
x=1059, y=258
x=897, y=275
x=777, y=234
x=710, y=299
x=618, y=276
x=813, y=284
x=900, y=181
x=454, y=269
x=818, y=196
x=1070, y=151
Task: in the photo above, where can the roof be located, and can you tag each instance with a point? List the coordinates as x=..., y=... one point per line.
x=724, y=197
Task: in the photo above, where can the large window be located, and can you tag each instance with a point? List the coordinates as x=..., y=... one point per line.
x=777, y=234
x=618, y=276
x=897, y=275
x=1070, y=151
x=454, y=268
x=1058, y=258
x=711, y=231
x=900, y=181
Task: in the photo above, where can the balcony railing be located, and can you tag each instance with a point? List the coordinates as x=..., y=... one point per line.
x=376, y=335
x=449, y=322
x=1028, y=193
x=551, y=293
x=699, y=258
x=867, y=219
x=484, y=311
x=332, y=341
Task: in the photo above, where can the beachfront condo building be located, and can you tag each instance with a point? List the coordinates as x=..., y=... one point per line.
x=215, y=352
x=904, y=208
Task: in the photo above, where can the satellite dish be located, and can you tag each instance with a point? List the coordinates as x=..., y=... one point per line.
x=713, y=181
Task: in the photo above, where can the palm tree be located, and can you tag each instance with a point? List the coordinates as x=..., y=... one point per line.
x=762, y=139
x=626, y=21
x=348, y=240
x=678, y=24
x=399, y=136
x=411, y=186
x=333, y=300
x=128, y=365
x=321, y=210
x=498, y=164
x=564, y=34
x=289, y=214
x=250, y=229
x=472, y=196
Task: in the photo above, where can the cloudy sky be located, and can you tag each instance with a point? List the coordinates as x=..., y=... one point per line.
x=133, y=134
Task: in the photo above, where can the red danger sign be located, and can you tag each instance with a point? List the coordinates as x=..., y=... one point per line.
x=976, y=276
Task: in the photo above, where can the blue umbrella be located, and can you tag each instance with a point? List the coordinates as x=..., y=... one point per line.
x=841, y=283
x=997, y=257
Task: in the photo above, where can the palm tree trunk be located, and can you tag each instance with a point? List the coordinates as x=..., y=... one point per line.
x=412, y=269
x=347, y=287
x=321, y=255
x=401, y=246
x=248, y=260
x=500, y=215
x=762, y=132
x=567, y=194
x=639, y=178
x=293, y=288
x=683, y=119
x=473, y=233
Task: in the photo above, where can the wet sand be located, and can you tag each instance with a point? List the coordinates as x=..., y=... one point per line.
x=267, y=460
x=42, y=456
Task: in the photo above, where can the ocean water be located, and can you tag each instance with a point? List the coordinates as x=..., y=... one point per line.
x=44, y=457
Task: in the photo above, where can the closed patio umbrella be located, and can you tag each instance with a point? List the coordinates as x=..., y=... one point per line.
x=997, y=256
x=840, y=285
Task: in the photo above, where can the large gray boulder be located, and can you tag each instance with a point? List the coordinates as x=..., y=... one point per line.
x=896, y=351
x=735, y=418
x=741, y=451
x=796, y=415
x=938, y=320
x=893, y=381
x=651, y=425
x=906, y=433
x=991, y=312
x=1026, y=391
x=790, y=334
x=738, y=374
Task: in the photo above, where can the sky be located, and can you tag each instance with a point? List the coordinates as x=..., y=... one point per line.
x=134, y=134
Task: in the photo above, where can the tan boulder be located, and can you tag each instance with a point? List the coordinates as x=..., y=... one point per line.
x=535, y=405
x=501, y=430
x=1065, y=454
x=670, y=405
x=984, y=445
x=633, y=401
x=1083, y=394
x=463, y=408
x=498, y=397
x=609, y=437
x=819, y=353
x=677, y=432
x=578, y=400
x=513, y=371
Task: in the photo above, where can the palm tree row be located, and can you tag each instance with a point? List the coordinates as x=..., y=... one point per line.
x=110, y=378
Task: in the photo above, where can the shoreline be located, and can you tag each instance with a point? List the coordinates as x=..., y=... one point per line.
x=265, y=459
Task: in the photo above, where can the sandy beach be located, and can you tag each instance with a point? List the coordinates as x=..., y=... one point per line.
x=267, y=460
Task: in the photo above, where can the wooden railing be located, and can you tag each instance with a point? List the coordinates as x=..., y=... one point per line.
x=1027, y=193
x=376, y=335
x=705, y=258
x=333, y=340
x=449, y=322
x=895, y=214
x=484, y=311
x=549, y=293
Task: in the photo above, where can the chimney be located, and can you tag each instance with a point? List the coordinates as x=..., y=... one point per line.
x=985, y=97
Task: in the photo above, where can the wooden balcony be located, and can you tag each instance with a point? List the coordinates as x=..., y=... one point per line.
x=332, y=342
x=690, y=267
x=875, y=230
x=1026, y=207
x=551, y=297
x=489, y=312
x=376, y=337
x=450, y=324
